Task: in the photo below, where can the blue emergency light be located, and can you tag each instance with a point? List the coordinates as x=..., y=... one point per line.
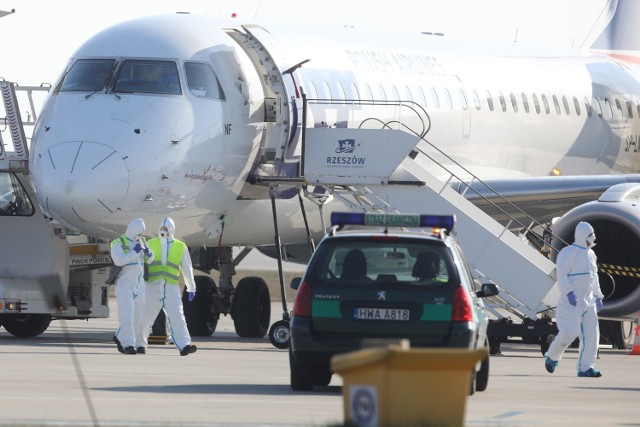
x=393, y=220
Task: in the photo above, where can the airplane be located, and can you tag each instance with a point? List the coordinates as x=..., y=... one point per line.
x=204, y=119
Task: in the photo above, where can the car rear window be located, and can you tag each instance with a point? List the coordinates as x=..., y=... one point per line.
x=399, y=261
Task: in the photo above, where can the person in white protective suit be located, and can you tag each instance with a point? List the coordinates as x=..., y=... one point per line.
x=129, y=252
x=163, y=290
x=580, y=300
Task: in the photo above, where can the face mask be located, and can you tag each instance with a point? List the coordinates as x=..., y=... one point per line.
x=164, y=233
x=136, y=238
x=591, y=238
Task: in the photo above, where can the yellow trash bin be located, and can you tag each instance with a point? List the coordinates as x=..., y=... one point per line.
x=395, y=386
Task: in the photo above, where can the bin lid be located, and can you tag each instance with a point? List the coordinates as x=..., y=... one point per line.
x=396, y=358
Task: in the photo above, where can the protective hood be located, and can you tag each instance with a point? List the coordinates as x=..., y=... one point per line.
x=135, y=228
x=171, y=229
x=584, y=234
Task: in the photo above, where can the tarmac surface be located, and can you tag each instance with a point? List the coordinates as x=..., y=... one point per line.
x=72, y=375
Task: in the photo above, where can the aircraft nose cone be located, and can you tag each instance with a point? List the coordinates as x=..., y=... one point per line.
x=80, y=180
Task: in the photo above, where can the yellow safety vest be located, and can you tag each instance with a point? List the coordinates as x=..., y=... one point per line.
x=171, y=270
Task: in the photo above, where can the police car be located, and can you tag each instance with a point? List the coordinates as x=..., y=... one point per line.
x=370, y=278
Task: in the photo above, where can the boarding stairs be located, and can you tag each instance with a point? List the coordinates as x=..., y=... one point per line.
x=408, y=178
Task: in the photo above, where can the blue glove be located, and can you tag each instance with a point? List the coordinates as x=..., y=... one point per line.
x=148, y=252
x=598, y=304
x=192, y=296
x=572, y=298
x=137, y=247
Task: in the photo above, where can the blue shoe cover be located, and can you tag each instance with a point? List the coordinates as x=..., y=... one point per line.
x=594, y=373
x=550, y=364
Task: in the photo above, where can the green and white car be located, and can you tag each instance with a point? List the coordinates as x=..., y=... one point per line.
x=369, y=282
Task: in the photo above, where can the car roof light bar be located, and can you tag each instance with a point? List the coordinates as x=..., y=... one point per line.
x=341, y=219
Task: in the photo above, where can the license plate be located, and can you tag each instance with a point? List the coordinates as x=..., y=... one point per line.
x=364, y=313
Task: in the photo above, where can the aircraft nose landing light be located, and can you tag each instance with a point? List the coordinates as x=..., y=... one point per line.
x=82, y=180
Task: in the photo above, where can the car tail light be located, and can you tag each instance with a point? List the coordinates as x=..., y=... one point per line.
x=302, y=303
x=461, y=306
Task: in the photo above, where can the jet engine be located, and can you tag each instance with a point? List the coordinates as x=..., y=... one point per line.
x=615, y=217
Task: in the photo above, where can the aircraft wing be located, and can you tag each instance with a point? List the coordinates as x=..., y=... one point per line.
x=542, y=198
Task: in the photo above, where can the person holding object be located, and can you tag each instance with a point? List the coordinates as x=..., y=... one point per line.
x=129, y=253
x=580, y=300
x=163, y=290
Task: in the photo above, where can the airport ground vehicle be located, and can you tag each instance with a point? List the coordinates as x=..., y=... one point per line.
x=381, y=284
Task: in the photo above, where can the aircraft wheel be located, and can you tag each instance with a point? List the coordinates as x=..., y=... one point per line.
x=200, y=314
x=26, y=325
x=494, y=345
x=279, y=334
x=619, y=334
x=251, y=308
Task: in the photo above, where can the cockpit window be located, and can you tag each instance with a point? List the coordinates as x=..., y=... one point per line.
x=14, y=201
x=202, y=81
x=86, y=75
x=145, y=76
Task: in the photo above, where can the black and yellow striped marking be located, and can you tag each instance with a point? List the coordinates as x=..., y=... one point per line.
x=620, y=270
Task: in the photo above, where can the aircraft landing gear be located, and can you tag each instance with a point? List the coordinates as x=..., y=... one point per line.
x=279, y=334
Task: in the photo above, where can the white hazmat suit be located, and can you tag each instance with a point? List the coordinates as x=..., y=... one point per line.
x=580, y=299
x=130, y=288
x=163, y=290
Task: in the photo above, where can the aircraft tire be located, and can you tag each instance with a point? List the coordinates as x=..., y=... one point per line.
x=201, y=317
x=26, y=325
x=618, y=334
x=251, y=308
x=279, y=334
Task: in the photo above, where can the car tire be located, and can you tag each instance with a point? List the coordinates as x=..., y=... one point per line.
x=302, y=374
x=323, y=375
x=482, y=376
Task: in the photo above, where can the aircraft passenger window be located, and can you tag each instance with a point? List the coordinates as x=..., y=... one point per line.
x=546, y=104
x=448, y=102
x=354, y=92
x=145, y=76
x=597, y=107
x=476, y=100
x=381, y=95
x=514, y=103
x=565, y=103
x=525, y=103
x=340, y=92
x=536, y=103
x=503, y=103
x=638, y=108
x=407, y=94
x=424, y=98
x=312, y=90
x=576, y=104
x=434, y=97
x=607, y=111
x=202, y=81
x=86, y=75
x=14, y=201
x=630, y=109
x=556, y=104
x=463, y=100
x=393, y=93
x=489, y=101
x=367, y=93
x=587, y=106
x=618, y=113
x=326, y=91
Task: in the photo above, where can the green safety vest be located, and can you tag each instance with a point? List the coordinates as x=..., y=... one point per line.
x=125, y=245
x=171, y=270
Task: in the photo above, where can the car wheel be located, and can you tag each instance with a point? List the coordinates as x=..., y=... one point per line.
x=26, y=325
x=323, y=375
x=482, y=376
x=301, y=374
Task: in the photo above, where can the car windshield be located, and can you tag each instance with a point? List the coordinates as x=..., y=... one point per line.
x=390, y=260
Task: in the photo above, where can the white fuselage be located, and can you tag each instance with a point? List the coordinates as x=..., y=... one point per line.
x=100, y=158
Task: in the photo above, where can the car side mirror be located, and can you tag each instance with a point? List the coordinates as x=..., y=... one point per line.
x=295, y=282
x=488, y=290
